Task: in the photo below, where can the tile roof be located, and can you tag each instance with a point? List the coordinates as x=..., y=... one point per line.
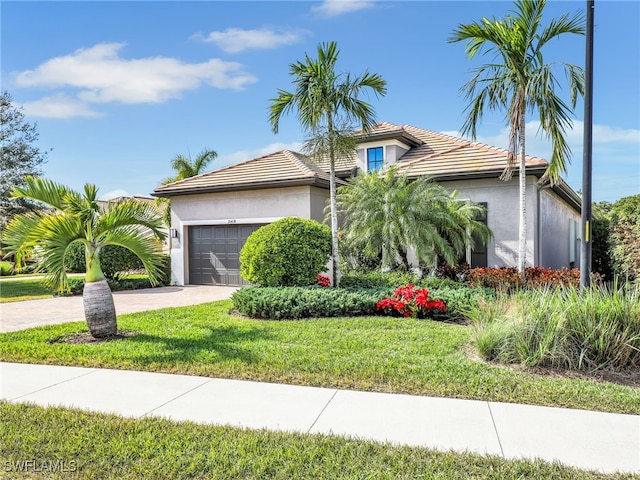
x=283, y=168
x=432, y=153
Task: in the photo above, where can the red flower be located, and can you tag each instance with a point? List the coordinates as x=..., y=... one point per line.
x=323, y=280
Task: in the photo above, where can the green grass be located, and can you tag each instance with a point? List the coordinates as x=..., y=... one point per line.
x=107, y=446
x=21, y=290
x=365, y=353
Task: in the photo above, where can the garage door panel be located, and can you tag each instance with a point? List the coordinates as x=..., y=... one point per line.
x=214, y=253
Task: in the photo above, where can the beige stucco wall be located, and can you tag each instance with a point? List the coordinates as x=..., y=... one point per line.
x=241, y=207
x=557, y=237
x=502, y=216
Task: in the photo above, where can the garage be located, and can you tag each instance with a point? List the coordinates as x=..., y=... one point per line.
x=214, y=253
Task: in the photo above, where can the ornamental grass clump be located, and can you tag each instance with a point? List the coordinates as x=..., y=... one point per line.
x=408, y=302
x=591, y=330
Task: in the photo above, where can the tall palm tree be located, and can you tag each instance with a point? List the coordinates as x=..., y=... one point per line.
x=386, y=214
x=327, y=104
x=184, y=167
x=73, y=217
x=519, y=81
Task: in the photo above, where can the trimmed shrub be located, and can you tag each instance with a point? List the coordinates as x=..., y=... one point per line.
x=288, y=252
x=113, y=259
x=76, y=285
x=304, y=302
x=377, y=279
x=508, y=279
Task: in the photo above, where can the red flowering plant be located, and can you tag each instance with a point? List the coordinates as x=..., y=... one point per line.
x=408, y=302
x=323, y=280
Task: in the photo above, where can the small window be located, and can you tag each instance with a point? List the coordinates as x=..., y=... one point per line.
x=375, y=157
x=479, y=252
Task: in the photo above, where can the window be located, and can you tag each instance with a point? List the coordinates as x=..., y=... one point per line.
x=479, y=251
x=375, y=157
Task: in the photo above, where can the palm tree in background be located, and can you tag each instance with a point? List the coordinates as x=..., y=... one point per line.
x=519, y=82
x=184, y=168
x=328, y=103
x=73, y=217
x=386, y=214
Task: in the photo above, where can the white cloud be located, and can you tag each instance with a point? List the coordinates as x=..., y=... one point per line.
x=333, y=8
x=234, y=40
x=58, y=106
x=102, y=76
x=243, y=155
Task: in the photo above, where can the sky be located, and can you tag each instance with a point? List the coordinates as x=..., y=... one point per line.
x=117, y=88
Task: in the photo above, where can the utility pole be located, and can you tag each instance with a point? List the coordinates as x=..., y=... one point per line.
x=586, y=243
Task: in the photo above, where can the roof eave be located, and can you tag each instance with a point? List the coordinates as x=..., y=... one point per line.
x=311, y=181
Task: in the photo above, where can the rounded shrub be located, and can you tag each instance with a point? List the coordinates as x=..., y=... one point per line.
x=288, y=252
x=113, y=259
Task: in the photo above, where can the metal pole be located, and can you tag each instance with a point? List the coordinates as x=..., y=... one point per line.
x=586, y=243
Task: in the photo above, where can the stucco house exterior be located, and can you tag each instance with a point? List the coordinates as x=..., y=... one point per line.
x=213, y=214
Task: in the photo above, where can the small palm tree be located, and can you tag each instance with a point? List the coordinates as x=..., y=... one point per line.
x=73, y=217
x=519, y=81
x=184, y=168
x=327, y=102
x=386, y=214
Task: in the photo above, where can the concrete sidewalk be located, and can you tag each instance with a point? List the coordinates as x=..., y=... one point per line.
x=50, y=311
x=590, y=440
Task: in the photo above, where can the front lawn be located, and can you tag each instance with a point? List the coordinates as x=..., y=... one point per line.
x=83, y=445
x=364, y=353
x=24, y=289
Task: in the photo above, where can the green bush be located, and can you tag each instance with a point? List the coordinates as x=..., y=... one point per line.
x=565, y=328
x=460, y=299
x=304, y=302
x=625, y=237
x=288, y=252
x=76, y=285
x=377, y=279
x=308, y=302
x=6, y=268
x=113, y=259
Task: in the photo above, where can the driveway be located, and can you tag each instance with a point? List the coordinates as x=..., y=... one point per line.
x=16, y=316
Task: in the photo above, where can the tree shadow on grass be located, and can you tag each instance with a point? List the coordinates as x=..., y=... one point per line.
x=219, y=346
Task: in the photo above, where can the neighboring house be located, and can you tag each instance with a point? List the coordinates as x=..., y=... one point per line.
x=214, y=213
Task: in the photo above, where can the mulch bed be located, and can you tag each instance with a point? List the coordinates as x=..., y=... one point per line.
x=86, y=338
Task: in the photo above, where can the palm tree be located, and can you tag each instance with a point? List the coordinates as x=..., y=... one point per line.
x=73, y=217
x=327, y=104
x=184, y=168
x=386, y=214
x=519, y=81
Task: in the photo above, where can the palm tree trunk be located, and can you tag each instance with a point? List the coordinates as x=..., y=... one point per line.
x=99, y=309
x=335, y=254
x=522, y=176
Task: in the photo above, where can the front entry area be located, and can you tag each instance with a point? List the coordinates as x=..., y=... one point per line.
x=214, y=253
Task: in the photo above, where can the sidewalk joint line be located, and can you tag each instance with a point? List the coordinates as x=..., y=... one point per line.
x=175, y=398
x=93, y=370
x=495, y=428
x=323, y=409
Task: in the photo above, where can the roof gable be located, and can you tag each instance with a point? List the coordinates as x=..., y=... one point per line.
x=283, y=168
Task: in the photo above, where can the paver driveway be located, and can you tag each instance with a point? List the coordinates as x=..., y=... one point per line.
x=49, y=311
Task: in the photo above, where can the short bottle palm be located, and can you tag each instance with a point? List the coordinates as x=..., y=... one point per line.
x=78, y=217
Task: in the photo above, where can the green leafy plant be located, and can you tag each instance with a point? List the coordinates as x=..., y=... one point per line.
x=591, y=330
x=113, y=259
x=288, y=252
x=6, y=268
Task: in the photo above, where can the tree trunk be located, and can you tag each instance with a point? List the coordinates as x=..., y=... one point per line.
x=522, y=176
x=335, y=253
x=99, y=309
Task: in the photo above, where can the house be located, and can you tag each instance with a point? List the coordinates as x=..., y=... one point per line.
x=214, y=213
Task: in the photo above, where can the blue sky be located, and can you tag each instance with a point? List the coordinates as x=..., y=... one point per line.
x=119, y=88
